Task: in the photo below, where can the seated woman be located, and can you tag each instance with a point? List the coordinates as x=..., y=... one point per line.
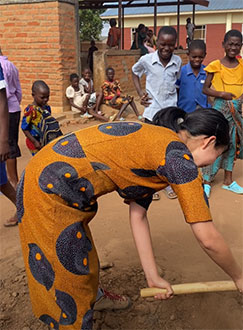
x=112, y=95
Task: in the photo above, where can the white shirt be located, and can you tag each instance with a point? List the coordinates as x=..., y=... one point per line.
x=160, y=81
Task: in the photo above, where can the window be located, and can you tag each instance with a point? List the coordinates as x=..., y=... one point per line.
x=200, y=32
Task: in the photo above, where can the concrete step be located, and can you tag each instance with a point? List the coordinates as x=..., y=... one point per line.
x=59, y=116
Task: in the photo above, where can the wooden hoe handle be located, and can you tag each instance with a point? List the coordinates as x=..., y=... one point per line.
x=192, y=288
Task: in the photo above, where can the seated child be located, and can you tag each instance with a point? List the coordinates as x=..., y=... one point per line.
x=88, y=85
x=192, y=79
x=37, y=124
x=79, y=100
x=77, y=97
x=112, y=95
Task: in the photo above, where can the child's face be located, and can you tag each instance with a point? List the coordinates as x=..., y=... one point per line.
x=232, y=47
x=87, y=75
x=110, y=75
x=166, y=45
x=41, y=96
x=196, y=57
x=75, y=82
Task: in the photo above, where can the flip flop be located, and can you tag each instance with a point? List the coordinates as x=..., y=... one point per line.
x=170, y=192
x=234, y=187
x=156, y=197
x=113, y=117
x=207, y=189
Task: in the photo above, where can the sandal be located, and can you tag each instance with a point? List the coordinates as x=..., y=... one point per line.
x=170, y=192
x=234, y=187
x=113, y=117
x=156, y=197
x=207, y=189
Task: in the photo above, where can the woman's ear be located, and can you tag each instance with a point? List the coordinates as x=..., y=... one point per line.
x=208, y=141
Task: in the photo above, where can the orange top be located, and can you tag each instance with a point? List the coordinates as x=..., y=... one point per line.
x=114, y=36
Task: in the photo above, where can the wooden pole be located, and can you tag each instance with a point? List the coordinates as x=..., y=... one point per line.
x=155, y=17
x=120, y=20
x=178, y=24
x=187, y=288
x=193, y=13
x=122, y=34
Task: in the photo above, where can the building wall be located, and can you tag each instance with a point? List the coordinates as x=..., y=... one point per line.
x=121, y=61
x=40, y=39
x=217, y=23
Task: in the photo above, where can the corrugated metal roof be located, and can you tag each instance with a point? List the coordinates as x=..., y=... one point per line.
x=213, y=5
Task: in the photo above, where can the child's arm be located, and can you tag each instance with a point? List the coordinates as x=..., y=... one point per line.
x=211, y=92
x=25, y=126
x=74, y=105
x=32, y=139
x=142, y=237
x=88, y=89
x=144, y=98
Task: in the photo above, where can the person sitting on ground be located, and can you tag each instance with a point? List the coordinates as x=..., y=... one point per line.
x=5, y=186
x=114, y=35
x=77, y=97
x=38, y=125
x=79, y=100
x=87, y=82
x=112, y=95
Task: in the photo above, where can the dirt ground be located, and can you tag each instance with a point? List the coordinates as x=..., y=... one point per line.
x=176, y=250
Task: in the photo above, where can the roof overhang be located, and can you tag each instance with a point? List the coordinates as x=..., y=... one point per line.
x=105, y=4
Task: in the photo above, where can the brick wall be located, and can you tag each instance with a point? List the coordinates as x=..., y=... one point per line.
x=122, y=64
x=40, y=39
x=214, y=37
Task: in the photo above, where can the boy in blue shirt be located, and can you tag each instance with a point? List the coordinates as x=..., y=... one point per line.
x=192, y=79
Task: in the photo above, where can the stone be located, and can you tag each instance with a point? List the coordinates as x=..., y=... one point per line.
x=4, y=317
x=15, y=294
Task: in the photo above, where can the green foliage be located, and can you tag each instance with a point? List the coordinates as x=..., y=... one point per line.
x=90, y=24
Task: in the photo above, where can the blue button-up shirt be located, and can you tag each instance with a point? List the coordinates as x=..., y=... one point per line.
x=160, y=81
x=190, y=94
